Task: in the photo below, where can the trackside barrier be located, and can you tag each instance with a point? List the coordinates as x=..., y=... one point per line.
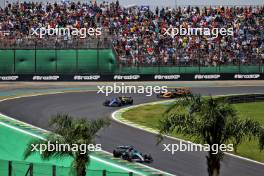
x=98, y=56
x=20, y=168
x=247, y=98
x=130, y=77
x=56, y=61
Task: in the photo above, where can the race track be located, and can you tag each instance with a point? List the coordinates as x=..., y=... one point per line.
x=37, y=111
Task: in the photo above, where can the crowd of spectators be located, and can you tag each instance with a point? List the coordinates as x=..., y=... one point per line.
x=137, y=33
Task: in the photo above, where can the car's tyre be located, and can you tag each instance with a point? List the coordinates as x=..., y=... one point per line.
x=148, y=158
x=106, y=103
x=129, y=158
x=116, y=154
x=124, y=156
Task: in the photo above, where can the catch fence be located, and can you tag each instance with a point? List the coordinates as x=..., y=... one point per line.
x=247, y=98
x=20, y=168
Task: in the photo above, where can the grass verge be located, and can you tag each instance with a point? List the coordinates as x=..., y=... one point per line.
x=150, y=115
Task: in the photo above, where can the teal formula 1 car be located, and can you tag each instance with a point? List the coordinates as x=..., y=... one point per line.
x=130, y=154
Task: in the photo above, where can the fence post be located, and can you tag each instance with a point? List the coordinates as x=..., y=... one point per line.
x=53, y=170
x=259, y=61
x=56, y=57
x=261, y=65
x=97, y=55
x=35, y=57
x=104, y=172
x=77, y=60
x=14, y=61
x=9, y=168
x=199, y=61
x=159, y=65
x=239, y=66
x=31, y=169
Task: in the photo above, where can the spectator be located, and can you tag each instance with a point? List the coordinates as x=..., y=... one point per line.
x=138, y=35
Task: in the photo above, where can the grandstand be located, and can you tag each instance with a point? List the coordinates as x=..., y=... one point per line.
x=169, y=3
x=132, y=41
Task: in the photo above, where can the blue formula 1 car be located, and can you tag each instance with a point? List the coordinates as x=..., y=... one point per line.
x=119, y=101
x=130, y=154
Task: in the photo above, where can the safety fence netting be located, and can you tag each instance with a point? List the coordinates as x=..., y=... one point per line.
x=22, y=168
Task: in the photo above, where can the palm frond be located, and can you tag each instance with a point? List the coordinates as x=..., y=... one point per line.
x=30, y=147
x=180, y=123
x=66, y=132
x=51, y=140
x=61, y=123
x=183, y=101
x=96, y=125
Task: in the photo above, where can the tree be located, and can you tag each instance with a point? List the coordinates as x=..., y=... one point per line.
x=72, y=133
x=209, y=121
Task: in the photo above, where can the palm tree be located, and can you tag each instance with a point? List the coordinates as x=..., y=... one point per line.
x=72, y=132
x=209, y=121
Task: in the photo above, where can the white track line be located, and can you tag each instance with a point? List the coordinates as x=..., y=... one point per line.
x=114, y=116
x=93, y=157
x=40, y=137
x=154, y=169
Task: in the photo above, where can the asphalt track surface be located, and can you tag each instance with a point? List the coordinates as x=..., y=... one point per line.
x=37, y=111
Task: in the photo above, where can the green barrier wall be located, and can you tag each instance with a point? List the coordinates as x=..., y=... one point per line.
x=24, y=61
x=66, y=61
x=46, y=62
x=87, y=65
x=94, y=61
x=6, y=61
x=57, y=61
